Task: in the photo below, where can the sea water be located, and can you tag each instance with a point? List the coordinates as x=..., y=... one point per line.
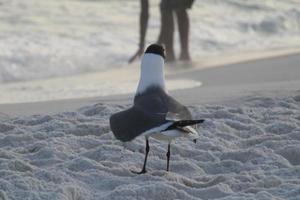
x=42, y=39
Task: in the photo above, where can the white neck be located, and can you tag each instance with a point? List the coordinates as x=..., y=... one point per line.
x=152, y=72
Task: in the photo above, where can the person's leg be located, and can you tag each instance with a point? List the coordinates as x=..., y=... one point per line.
x=183, y=26
x=166, y=35
x=161, y=32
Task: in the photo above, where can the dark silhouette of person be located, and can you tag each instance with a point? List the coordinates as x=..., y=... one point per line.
x=168, y=9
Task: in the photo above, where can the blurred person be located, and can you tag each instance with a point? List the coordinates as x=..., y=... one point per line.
x=168, y=9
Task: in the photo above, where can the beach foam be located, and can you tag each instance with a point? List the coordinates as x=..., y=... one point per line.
x=82, y=86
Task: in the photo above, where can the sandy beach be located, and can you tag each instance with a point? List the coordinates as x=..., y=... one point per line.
x=64, y=71
x=249, y=146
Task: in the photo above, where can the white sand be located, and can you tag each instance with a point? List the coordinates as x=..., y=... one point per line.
x=249, y=146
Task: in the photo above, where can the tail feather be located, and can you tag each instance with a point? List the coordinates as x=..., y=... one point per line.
x=183, y=123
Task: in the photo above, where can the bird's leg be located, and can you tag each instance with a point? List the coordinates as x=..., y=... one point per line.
x=168, y=156
x=145, y=161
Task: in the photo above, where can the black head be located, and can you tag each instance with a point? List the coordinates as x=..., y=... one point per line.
x=156, y=49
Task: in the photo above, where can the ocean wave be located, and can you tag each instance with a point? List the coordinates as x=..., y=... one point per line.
x=42, y=39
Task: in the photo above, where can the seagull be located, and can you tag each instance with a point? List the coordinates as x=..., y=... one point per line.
x=154, y=112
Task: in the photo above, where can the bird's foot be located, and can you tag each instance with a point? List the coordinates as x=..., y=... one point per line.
x=141, y=172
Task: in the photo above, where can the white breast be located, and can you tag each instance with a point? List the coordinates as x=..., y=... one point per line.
x=169, y=135
x=152, y=72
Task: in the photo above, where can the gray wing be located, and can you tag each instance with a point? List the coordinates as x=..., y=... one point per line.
x=150, y=110
x=157, y=100
x=177, y=111
x=130, y=123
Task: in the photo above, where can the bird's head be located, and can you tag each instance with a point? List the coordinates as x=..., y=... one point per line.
x=156, y=49
x=152, y=68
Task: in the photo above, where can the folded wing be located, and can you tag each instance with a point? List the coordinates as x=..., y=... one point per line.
x=130, y=123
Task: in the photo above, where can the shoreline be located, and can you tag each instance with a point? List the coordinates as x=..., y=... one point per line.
x=218, y=85
x=235, y=58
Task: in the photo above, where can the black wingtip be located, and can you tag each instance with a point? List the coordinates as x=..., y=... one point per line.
x=201, y=121
x=156, y=49
x=183, y=123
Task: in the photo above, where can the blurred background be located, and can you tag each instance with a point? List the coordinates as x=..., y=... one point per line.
x=60, y=49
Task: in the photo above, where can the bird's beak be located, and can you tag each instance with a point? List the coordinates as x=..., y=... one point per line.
x=195, y=141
